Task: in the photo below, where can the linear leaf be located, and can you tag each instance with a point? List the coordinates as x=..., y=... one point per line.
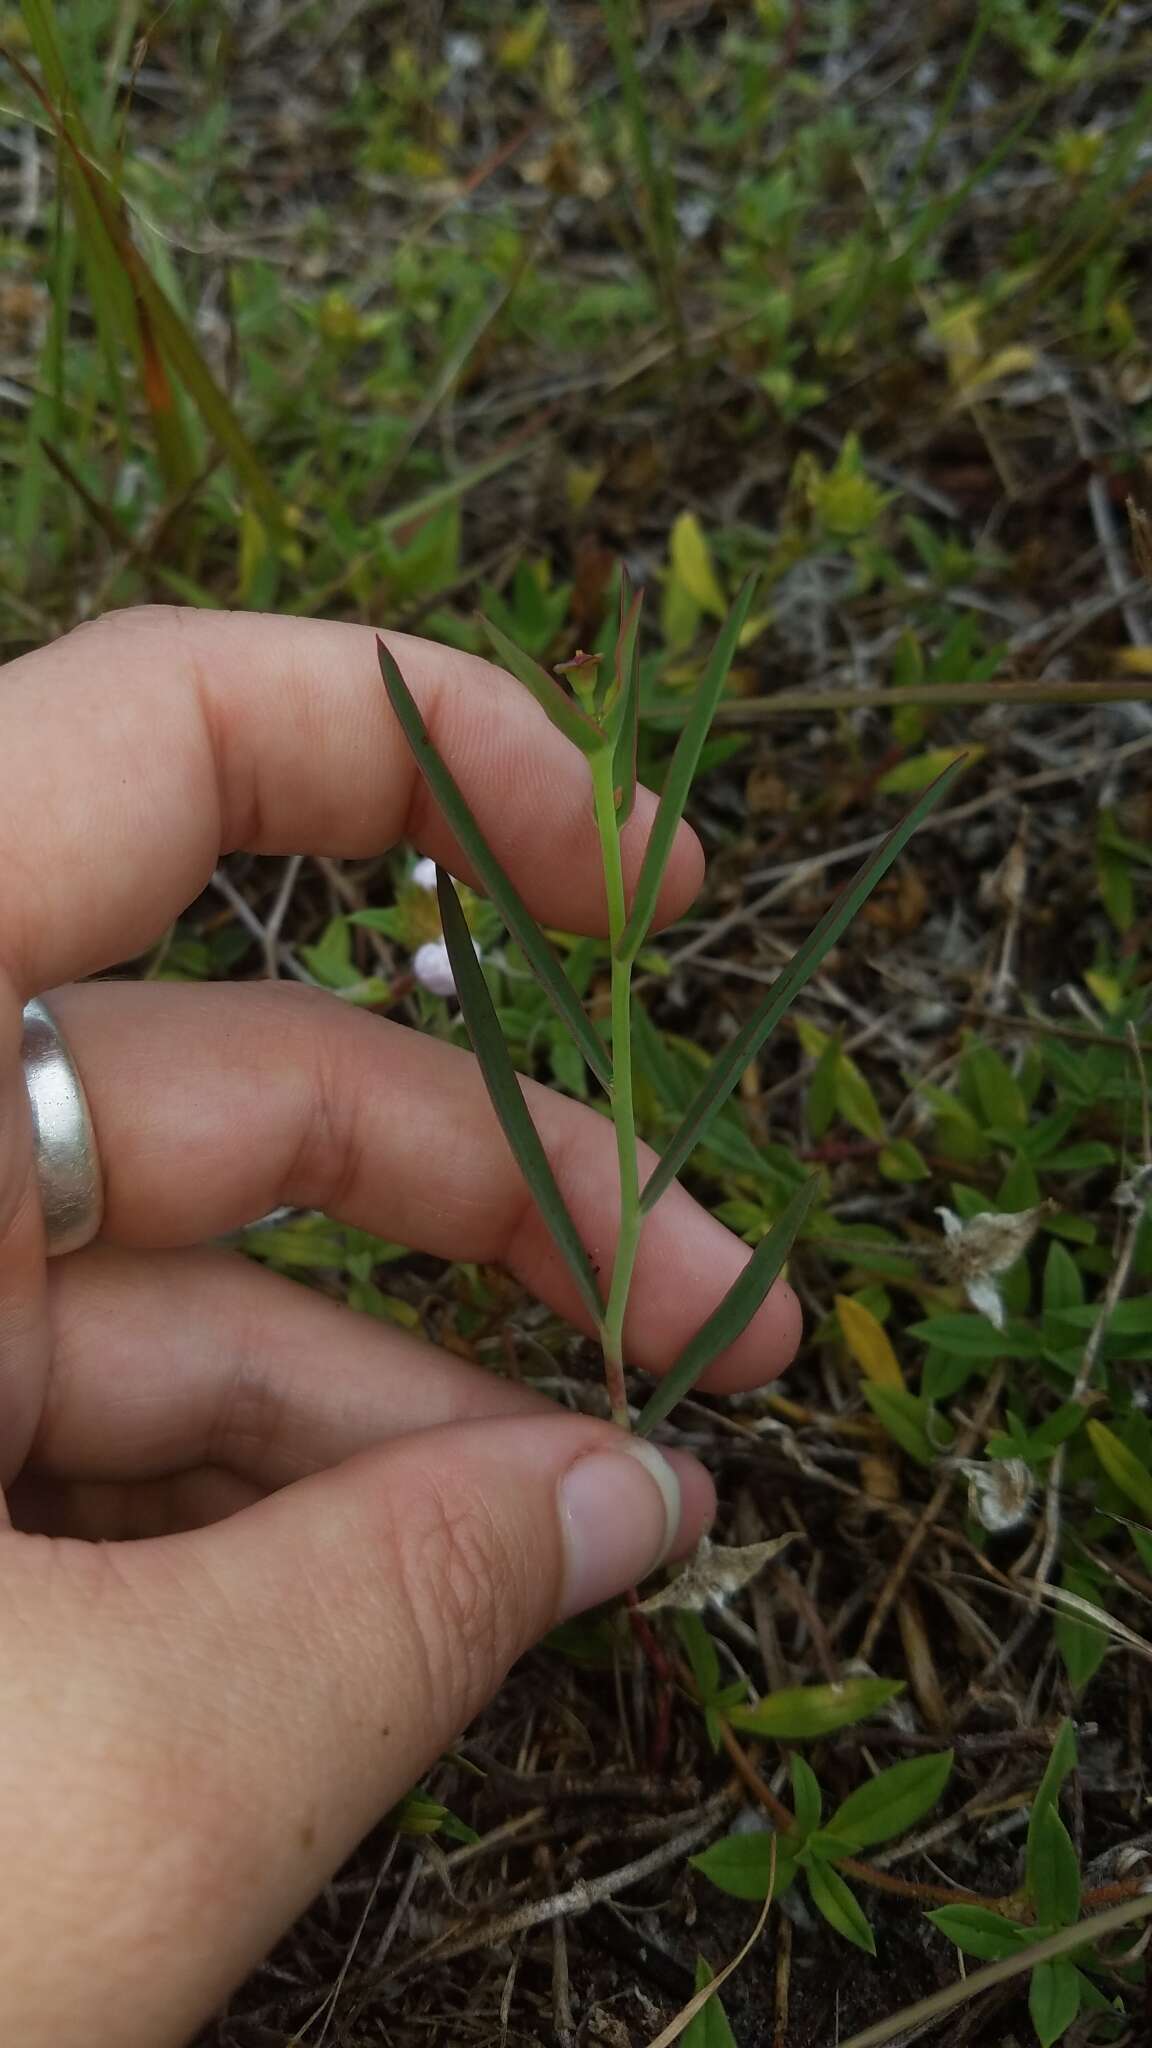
x=627, y=718
x=566, y=716
x=507, y=1097
x=735, y=1312
x=681, y=770
x=531, y=941
x=725, y=1071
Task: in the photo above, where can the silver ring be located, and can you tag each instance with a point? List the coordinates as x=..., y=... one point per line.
x=67, y=1162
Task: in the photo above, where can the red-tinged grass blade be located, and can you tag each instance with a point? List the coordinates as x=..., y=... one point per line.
x=508, y=1101
x=678, y=780
x=735, y=1312
x=123, y=284
x=518, y=918
x=566, y=716
x=626, y=722
x=725, y=1071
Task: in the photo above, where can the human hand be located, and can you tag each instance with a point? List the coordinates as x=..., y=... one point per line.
x=345, y=1537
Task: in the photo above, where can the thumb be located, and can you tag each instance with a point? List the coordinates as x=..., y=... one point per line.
x=236, y=1707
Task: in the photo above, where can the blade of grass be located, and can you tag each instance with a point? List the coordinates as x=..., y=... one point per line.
x=504, y=1089
x=147, y=323
x=725, y=1071
x=513, y=910
x=735, y=1312
x=564, y=714
x=682, y=768
x=626, y=722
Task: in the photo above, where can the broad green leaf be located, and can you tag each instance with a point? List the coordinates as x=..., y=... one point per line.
x=709, y=2028
x=566, y=716
x=801, y=1713
x=806, y=1795
x=1128, y=1319
x=1063, y=1283
x=980, y=1932
x=972, y=1336
x=735, y=1311
x=893, y=1801
x=1123, y=1467
x=691, y=560
x=503, y=1086
x=902, y=1160
x=996, y=1086
x=627, y=719
x=726, y=1070
x=1061, y=1761
x=840, y=1907
x=531, y=941
x=742, y=1865
x=701, y=1653
x=678, y=779
x=855, y=1100
x=907, y=777
x=868, y=1341
x=1053, y=1999
x=1053, y=1871
x=904, y=1416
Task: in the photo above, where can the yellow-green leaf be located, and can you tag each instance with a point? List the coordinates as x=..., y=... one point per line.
x=868, y=1342
x=1123, y=1467
x=915, y=774
x=693, y=567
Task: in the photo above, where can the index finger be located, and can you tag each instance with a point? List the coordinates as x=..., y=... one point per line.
x=139, y=749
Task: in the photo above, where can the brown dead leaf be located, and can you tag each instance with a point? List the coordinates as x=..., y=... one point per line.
x=715, y=1574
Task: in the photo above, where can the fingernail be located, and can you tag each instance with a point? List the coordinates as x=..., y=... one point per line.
x=620, y=1513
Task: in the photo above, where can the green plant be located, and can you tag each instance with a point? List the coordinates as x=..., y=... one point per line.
x=600, y=719
x=1059, y=1989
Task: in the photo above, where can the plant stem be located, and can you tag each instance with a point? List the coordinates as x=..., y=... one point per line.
x=623, y=1112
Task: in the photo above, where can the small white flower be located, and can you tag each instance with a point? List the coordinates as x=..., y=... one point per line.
x=433, y=969
x=423, y=875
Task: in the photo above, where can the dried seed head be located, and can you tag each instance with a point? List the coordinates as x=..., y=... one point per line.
x=985, y=1245
x=999, y=1492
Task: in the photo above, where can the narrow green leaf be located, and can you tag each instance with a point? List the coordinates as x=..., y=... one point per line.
x=893, y=1801
x=504, y=1088
x=734, y=1313
x=800, y=1713
x=566, y=716
x=709, y=2028
x=1053, y=1999
x=840, y=1907
x=1053, y=1871
x=807, y=1800
x=626, y=723
x=682, y=768
x=725, y=1071
x=531, y=941
x=980, y=1932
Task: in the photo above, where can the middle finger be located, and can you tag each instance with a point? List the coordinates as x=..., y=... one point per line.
x=214, y=1104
